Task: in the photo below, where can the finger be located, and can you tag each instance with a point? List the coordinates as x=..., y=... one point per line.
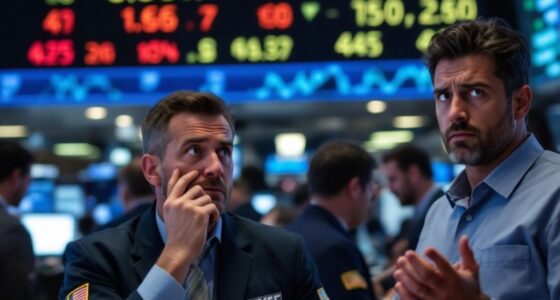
x=412, y=286
x=425, y=272
x=180, y=186
x=467, y=255
x=404, y=294
x=444, y=267
x=213, y=214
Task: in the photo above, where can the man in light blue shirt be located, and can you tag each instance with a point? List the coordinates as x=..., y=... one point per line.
x=496, y=232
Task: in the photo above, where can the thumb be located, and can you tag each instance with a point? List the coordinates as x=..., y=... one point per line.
x=468, y=262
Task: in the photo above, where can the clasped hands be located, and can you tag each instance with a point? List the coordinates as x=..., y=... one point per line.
x=417, y=278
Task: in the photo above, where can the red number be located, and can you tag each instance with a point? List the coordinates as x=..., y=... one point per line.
x=59, y=21
x=99, y=53
x=152, y=19
x=208, y=13
x=51, y=53
x=275, y=16
x=156, y=51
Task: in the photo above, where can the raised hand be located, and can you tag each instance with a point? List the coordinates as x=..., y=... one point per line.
x=417, y=278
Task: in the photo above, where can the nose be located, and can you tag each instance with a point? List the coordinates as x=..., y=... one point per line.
x=213, y=167
x=458, y=110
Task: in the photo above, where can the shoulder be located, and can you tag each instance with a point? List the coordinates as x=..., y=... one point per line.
x=112, y=241
x=257, y=232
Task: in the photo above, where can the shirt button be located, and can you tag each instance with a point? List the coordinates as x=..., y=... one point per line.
x=468, y=218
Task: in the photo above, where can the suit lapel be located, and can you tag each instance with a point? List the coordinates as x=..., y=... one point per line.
x=234, y=264
x=147, y=243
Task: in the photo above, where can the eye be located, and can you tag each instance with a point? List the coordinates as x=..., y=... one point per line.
x=225, y=151
x=475, y=92
x=194, y=150
x=442, y=97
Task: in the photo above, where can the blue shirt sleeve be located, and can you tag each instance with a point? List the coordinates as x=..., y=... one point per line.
x=159, y=284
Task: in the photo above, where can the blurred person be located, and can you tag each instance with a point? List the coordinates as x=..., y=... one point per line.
x=506, y=203
x=135, y=193
x=341, y=185
x=16, y=250
x=186, y=245
x=409, y=176
x=241, y=201
x=283, y=214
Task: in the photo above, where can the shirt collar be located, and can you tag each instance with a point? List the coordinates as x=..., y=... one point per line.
x=215, y=233
x=505, y=177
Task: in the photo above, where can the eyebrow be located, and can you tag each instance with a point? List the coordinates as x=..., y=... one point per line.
x=198, y=140
x=463, y=86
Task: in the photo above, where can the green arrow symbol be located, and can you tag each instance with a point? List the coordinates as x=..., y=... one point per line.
x=310, y=9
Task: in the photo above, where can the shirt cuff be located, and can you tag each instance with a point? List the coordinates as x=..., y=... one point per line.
x=158, y=284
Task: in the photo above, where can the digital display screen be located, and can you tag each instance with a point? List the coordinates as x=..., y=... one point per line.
x=136, y=51
x=540, y=21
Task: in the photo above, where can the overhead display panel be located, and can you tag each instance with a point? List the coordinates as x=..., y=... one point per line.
x=63, y=52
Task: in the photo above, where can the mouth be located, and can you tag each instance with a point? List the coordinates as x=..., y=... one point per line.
x=459, y=136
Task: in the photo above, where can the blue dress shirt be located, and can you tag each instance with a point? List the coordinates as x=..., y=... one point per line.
x=513, y=224
x=159, y=284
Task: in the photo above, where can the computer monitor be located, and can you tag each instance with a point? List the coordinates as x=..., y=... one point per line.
x=50, y=232
x=70, y=198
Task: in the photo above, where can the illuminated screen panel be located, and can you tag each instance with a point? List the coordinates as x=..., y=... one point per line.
x=136, y=51
x=540, y=21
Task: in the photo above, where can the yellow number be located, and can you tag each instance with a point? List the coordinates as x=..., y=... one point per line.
x=272, y=48
x=374, y=43
x=61, y=2
x=394, y=12
x=448, y=11
x=368, y=12
x=424, y=39
x=207, y=50
x=428, y=15
x=362, y=44
x=343, y=44
x=467, y=10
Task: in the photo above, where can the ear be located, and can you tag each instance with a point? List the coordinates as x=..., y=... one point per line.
x=521, y=102
x=353, y=187
x=150, y=167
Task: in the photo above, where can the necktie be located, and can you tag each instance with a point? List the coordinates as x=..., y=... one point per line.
x=197, y=287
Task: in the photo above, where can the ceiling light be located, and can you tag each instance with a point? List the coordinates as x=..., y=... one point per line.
x=383, y=140
x=77, y=149
x=13, y=131
x=123, y=121
x=409, y=121
x=290, y=144
x=376, y=106
x=96, y=113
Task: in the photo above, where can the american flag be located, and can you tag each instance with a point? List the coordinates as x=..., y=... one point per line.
x=79, y=293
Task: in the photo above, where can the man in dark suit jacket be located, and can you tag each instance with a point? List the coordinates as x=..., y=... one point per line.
x=187, y=246
x=342, y=186
x=16, y=251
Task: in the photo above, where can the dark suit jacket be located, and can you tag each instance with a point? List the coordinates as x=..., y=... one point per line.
x=334, y=252
x=16, y=258
x=253, y=260
x=138, y=210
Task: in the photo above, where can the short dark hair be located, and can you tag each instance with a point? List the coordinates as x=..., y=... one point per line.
x=407, y=155
x=493, y=37
x=133, y=177
x=334, y=164
x=13, y=157
x=155, y=126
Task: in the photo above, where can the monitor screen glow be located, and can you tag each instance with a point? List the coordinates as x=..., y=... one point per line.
x=50, y=232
